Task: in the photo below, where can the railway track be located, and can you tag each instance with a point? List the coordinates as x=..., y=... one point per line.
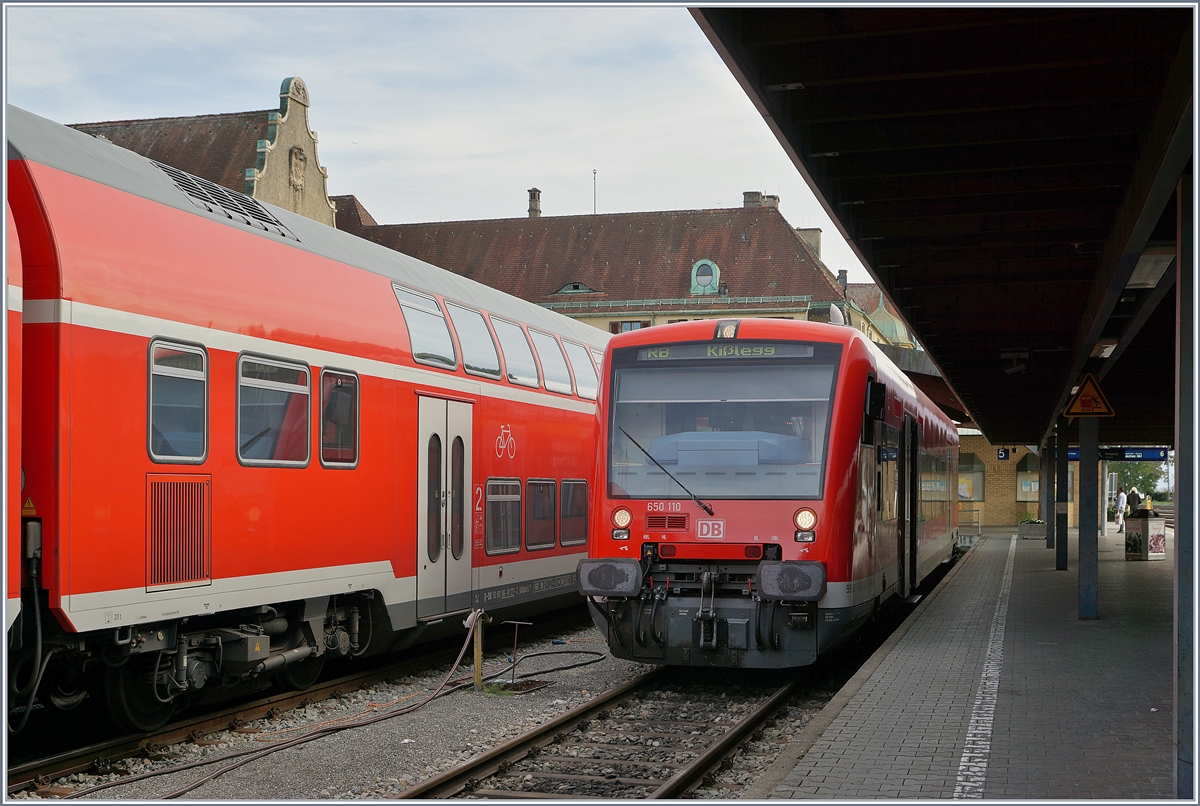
x=102, y=757
x=652, y=738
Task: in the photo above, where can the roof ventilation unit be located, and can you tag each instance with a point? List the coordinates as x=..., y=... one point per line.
x=223, y=201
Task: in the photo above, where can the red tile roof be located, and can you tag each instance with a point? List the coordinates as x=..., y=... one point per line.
x=864, y=295
x=218, y=148
x=351, y=215
x=624, y=256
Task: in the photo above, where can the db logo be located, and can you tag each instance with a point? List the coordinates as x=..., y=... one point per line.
x=713, y=530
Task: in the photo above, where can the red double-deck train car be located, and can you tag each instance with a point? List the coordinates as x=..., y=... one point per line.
x=251, y=442
x=767, y=486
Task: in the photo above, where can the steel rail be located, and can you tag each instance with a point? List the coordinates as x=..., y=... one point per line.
x=81, y=760
x=454, y=780
x=691, y=775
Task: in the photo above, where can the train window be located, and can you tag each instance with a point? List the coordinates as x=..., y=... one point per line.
x=339, y=419
x=572, y=528
x=433, y=504
x=585, y=373
x=518, y=357
x=178, y=403
x=539, y=514
x=458, y=496
x=935, y=492
x=427, y=330
x=503, y=516
x=273, y=425
x=554, y=367
x=478, y=349
x=888, y=452
x=725, y=428
x=599, y=356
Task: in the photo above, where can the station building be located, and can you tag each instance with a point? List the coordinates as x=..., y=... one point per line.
x=999, y=484
x=625, y=271
x=270, y=155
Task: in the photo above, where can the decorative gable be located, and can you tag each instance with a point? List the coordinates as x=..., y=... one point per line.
x=286, y=172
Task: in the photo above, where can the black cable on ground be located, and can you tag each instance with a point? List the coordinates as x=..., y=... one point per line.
x=251, y=754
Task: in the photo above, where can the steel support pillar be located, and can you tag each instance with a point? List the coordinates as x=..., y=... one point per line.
x=1047, y=468
x=1185, y=487
x=1105, y=496
x=1089, y=510
x=1060, y=497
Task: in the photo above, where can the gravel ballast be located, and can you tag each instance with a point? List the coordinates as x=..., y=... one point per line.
x=383, y=759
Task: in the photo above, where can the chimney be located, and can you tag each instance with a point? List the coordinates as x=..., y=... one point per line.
x=812, y=237
x=751, y=198
x=842, y=280
x=770, y=201
x=535, y=203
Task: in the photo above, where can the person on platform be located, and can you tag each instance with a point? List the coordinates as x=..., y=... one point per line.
x=1121, y=502
x=1135, y=499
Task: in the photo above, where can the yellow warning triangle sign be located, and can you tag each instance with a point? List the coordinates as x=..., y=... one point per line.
x=1088, y=401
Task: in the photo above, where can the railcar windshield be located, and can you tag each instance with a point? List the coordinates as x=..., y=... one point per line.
x=742, y=420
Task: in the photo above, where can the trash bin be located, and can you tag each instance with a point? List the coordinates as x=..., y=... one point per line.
x=1145, y=536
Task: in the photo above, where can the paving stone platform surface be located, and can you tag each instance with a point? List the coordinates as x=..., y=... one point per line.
x=999, y=690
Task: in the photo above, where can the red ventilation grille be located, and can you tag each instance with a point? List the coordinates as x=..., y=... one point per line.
x=177, y=530
x=670, y=522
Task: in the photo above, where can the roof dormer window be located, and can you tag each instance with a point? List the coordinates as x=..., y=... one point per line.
x=706, y=277
x=576, y=288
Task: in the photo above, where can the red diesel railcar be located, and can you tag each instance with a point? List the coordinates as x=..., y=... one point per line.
x=763, y=487
x=12, y=403
x=251, y=442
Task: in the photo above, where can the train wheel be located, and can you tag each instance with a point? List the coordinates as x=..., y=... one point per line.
x=299, y=676
x=129, y=691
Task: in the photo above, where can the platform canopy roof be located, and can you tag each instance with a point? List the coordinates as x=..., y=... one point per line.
x=1007, y=175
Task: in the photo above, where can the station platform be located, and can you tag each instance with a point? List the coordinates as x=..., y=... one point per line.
x=994, y=688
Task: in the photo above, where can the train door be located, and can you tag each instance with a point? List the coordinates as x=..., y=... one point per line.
x=443, y=490
x=911, y=528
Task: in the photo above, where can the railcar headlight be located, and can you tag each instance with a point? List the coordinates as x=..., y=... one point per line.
x=621, y=517
x=805, y=519
x=620, y=534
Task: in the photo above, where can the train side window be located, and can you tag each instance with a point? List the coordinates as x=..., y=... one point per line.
x=503, y=516
x=572, y=529
x=427, y=330
x=599, y=356
x=178, y=404
x=539, y=514
x=273, y=412
x=554, y=366
x=518, y=357
x=585, y=374
x=478, y=349
x=339, y=419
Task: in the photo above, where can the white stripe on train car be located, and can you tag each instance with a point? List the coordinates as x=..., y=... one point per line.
x=15, y=297
x=132, y=606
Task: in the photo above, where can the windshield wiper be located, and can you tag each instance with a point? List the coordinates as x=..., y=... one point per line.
x=695, y=498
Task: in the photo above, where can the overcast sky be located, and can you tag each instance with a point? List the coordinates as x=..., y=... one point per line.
x=436, y=114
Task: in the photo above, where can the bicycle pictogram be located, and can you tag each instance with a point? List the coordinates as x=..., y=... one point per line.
x=506, y=442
